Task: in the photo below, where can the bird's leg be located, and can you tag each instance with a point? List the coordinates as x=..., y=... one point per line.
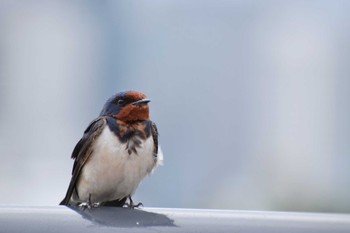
x=131, y=204
x=89, y=204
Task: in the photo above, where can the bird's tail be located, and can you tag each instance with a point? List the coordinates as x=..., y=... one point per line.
x=65, y=201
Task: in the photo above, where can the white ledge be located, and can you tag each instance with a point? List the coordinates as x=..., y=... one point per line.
x=109, y=219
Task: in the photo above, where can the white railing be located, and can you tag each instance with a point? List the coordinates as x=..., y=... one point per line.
x=109, y=219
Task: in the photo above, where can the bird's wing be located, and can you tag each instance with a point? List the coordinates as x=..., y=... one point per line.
x=82, y=152
x=155, y=138
x=157, y=151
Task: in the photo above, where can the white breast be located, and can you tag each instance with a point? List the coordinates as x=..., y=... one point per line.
x=111, y=172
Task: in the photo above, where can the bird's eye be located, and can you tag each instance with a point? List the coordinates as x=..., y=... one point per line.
x=120, y=102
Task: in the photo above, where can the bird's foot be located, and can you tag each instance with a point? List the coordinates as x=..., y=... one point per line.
x=89, y=204
x=131, y=204
x=85, y=205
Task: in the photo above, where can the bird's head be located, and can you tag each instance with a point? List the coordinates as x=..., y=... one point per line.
x=127, y=106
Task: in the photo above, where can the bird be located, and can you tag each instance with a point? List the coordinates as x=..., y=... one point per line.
x=117, y=150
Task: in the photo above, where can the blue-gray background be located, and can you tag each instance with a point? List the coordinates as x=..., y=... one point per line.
x=251, y=98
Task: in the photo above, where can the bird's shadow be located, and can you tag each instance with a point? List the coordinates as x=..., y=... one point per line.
x=123, y=217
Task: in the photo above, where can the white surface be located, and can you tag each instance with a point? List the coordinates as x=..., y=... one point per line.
x=64, y=219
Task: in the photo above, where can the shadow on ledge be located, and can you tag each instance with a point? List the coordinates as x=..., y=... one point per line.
x=123, y=217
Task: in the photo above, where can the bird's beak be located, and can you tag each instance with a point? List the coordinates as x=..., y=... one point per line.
x=141, y=102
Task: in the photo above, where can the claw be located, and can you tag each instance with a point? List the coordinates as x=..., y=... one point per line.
x=131, y=205
x=138, y=205
x=85, y=205
x=89, y=205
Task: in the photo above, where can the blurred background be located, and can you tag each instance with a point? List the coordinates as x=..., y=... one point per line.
x=251, y=98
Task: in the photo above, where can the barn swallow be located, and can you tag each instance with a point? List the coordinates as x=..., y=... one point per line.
x=118, y=149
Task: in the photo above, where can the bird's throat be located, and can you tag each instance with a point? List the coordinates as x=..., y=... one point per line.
x=132, y=113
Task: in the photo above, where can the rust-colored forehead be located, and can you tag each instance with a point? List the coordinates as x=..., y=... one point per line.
x=135, y=95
